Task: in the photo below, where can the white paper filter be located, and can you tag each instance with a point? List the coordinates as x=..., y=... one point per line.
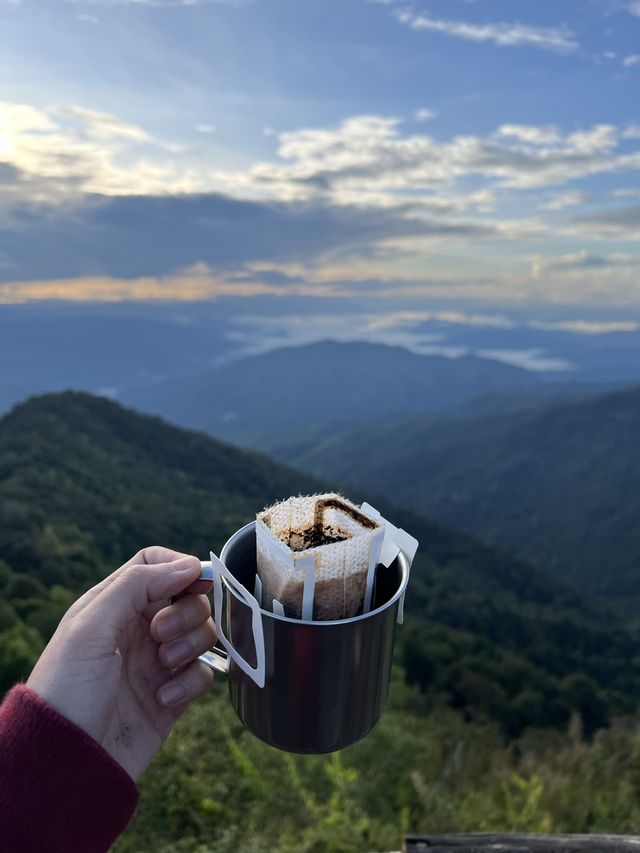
x=308, y=580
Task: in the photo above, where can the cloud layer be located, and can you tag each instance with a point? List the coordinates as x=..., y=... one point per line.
x=88, y=194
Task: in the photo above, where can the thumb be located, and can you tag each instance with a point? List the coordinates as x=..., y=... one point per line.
x=137, y=586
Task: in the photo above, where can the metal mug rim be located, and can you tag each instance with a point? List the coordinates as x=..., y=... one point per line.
x=404, y=567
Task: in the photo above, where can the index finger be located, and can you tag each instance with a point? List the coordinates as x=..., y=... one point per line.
x=157, y=554
x=150, y=556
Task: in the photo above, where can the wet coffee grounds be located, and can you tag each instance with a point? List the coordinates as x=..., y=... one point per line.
x=313, y=537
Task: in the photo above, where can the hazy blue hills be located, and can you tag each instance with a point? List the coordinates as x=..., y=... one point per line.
x=57, y=350
x=84, y=483
x=271, y=397
x=559, y=484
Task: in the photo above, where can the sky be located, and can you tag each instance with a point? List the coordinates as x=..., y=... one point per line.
x=412, y=156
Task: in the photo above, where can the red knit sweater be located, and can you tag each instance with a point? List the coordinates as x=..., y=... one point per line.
x=60, y=791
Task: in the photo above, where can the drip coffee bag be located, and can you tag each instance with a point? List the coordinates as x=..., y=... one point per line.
x=317, y=557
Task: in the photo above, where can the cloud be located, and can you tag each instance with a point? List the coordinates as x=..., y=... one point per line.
x=530, y=359
x=627, y=192
x=367, y=158
x=205, y=128
x=84, y=193
x=534, y=135
x=560, y=201
x=163, y=3
x=559, y=39
x=102, y=124
x=185, y=286
x=634, y=8
x=632, y=59
x=364, y=161
x=588, y=327
x=413, y=329
x=582, y=261
x=621, y=223
x=132, y=236
x=424, y=114
x=64, y=151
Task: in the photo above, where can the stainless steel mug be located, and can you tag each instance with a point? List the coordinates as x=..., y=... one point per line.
x=303, y=686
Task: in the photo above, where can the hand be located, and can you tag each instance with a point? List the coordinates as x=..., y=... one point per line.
x=122, y=663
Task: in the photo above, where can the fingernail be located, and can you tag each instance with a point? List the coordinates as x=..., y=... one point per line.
x=172, y=693
x=179, y=652
x=169, y=625
x=184, y=564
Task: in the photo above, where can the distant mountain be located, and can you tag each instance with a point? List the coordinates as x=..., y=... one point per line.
x=98, y=352
x=84, y=483
x=559, y=484
x=594, y=350
x=272, y=397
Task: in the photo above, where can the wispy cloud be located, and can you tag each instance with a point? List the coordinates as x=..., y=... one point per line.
x=364, y=200
x=581, y=262
x=632, y=59
x=627, y=192
x=531, y=134
x=560, y=201
x=622, y=223
x=367, y=160
x=588, y=327
x=66, y=151
x=163, y=3
x=186, y=286
x=102, y=124
x=503, y=34
x=424, y=114
x=531, y=359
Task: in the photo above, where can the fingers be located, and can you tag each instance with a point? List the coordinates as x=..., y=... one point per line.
x=188, y=646
x=157, y=554
x=153, y=555
x=133, y=589
x=183, y=615
x=192, y=682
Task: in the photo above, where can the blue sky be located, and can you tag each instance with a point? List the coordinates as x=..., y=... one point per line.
x=406, y=154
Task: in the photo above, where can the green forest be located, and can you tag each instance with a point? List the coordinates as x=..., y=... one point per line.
x=513, y=702
x=556, y=482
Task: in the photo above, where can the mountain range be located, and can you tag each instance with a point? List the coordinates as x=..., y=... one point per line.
x=55, y=350
x=271, y=398
x=84, y=483
x=558, y=483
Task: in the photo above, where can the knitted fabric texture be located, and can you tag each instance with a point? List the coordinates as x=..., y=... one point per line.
x=60, y=791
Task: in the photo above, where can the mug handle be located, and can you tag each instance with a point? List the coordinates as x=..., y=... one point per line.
x=216, y=659
x=213, y=571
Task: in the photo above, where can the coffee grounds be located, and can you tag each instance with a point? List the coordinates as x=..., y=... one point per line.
x=314, y=537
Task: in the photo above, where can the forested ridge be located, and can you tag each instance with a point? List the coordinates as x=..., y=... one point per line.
x=85, y=483
x=495, y=662
x=556, y=482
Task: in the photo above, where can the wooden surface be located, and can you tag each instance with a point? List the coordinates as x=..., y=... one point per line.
x=514, y=843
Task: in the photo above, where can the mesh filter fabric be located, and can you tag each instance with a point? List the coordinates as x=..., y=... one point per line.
x=340, y=568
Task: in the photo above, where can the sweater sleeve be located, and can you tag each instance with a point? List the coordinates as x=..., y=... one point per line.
x=60, y=791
